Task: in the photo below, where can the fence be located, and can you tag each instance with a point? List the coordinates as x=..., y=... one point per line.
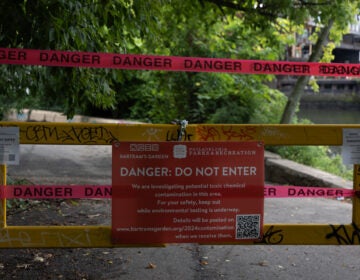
x=105, y=134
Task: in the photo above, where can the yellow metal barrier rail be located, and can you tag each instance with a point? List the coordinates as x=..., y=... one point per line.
x=104, y=134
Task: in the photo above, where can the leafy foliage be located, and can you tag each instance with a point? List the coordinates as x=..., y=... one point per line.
x=205, y=97
x=208, y=28
x=318, y=157
x=99, y=26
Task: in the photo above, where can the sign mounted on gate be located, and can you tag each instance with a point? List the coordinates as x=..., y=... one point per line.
x=9, y=145
x=187, y=192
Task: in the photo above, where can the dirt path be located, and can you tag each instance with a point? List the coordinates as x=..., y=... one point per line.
x=94, y=263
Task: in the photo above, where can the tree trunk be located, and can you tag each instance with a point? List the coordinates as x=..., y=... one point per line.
x=302, y=81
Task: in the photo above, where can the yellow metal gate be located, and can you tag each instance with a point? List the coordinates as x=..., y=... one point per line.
x=105, y=134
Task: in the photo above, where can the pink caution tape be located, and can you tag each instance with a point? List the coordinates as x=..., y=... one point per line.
x=55, y=191
x=104, y=191
x=173, y=63
x=301, y=191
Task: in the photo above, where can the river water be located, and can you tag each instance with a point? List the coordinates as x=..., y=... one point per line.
x=330, y=115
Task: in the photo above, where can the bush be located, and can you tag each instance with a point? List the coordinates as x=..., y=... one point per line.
x=319, y=157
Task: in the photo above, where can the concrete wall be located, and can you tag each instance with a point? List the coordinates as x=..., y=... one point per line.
x=286, y=172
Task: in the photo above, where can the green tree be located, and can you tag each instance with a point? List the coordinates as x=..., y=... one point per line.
x=333, y=24
x=188, y=28
x=211, y=28
x=332, y=18
x=99, y=26
x=298, y=90
x=184, y=28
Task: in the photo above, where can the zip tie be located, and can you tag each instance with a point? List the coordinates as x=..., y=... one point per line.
x=183, y=125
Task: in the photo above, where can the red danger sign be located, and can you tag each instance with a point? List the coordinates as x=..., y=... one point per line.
x=195, y=192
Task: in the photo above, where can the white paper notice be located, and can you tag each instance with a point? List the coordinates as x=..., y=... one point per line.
x=351, y=146
x=9, y=145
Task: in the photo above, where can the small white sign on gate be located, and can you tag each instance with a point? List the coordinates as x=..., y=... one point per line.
x=351, y=146
x=9, y=145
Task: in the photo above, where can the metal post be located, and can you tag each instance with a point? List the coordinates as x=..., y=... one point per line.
x=3, y=201
x=356, y=199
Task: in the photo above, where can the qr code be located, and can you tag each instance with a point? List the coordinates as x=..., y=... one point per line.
x=11, y=157
x=248, y=226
